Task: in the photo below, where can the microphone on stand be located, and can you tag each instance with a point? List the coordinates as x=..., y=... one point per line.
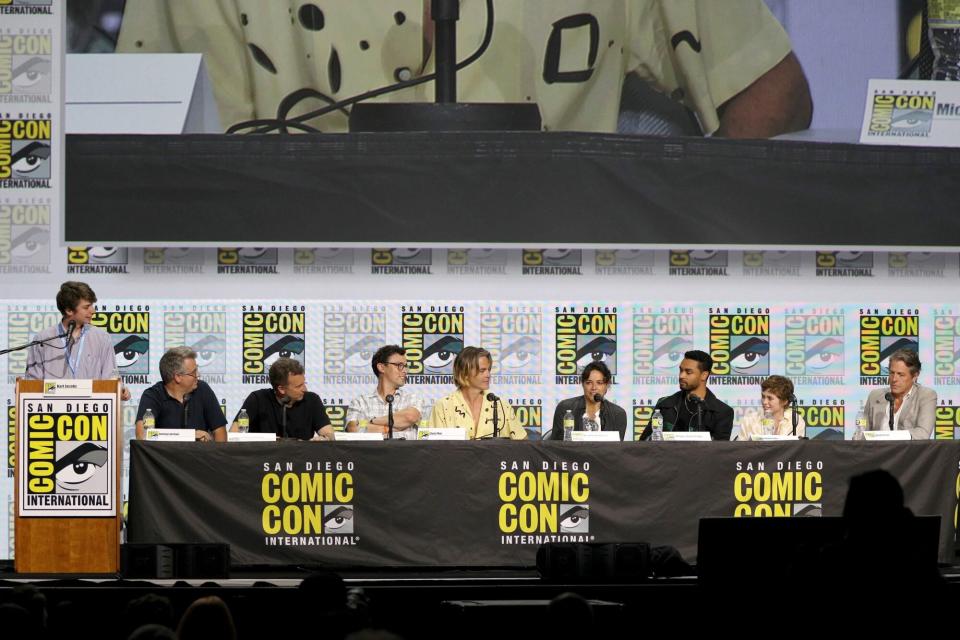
x=66, y=350
x=389, y=400
x=794, y=416
x=284, y=405
x=496, y=428
x=698, y=403
x=889, y=398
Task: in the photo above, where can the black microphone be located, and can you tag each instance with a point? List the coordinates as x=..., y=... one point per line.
x=284, y=403
x=889, y=398
x=389, y=400
x=597, y=397
x=496, y=428
x=66, y=350
x=794, y=416
x=698, y=403
x=186, y=411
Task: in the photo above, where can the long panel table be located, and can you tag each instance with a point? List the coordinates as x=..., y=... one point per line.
x=491, y=504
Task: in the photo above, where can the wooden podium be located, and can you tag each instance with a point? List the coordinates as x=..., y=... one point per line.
x=77, y=544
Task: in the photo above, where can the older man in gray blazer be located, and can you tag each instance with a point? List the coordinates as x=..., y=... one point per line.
x=914, y=407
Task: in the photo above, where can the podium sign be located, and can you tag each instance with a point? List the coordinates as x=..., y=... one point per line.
x=67, y=479
x=65, y=446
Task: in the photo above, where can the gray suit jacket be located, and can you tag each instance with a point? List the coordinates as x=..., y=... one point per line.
x=917, y=415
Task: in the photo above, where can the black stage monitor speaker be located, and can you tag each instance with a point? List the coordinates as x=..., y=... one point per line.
x=177, y=560
x=594, y=561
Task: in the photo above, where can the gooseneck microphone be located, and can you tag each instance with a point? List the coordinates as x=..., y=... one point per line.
x=794, y=415
x=496, y=428
x=698, y=403
x=889, y=398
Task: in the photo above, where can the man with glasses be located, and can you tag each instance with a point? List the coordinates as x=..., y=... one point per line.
x=389, y=364
x=181, y=400
x=287, y=408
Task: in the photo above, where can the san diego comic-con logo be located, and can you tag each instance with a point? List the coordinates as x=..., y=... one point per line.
x=847, y=264
x=25, y=66
x=813, y=345
x=202, y=328
x=432, y=336
x=642, y=412
x=825, y=418
x=947, y=423
x=776, y=264
x=129, y=329
x=625, y=262
x=529, y=413
x=700, y=262
x=351, y=335
x=24, y=237
x=96, y=260
x=552, y=262
x=584, y=335
x=401, y=261
x=178, y=260
x=26, y=7
x=779, y=489
x=740, y=345
x=25, y=152
x=336, y=410
x=252, y=260
x=916, y=264
x=880, y=335
x=902, y=114
x=543, y=501
x=661, y=335
x=512, y=333
x=24, y=322
x=326, y=261
x=270, y=333
x=480, y=262
x=11, y=456
x=308, y=506
x=946, y=347
x=66, y=451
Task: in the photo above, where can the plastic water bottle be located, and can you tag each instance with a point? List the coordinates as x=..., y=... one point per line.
x=656, y=426
x=861, y=424
x=568, y=423
x=243, y=422
x=766, y=424
x=149, y=421
x=944, y=20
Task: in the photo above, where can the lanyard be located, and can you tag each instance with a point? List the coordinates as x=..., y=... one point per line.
x=77, y=350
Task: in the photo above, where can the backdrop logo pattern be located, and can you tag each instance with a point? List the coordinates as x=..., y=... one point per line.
x=129, y=330
x=25, y=151
x=813, y=349
x=98, y=260
x=552, y=262
x=350, y=338
x=698, y=263
x=512, y=335
x=916, y=264
x=484, y=262
x=529, y=413
x=25, y=66
x=401, y=261
x=25, y=237
x=880, y=336
x=660, y=338
x=23, y=323
x=740, y=345
x=947, y=425
x=625, y=262
x=847, y=264
x=248, y=261
x=584, y=335
x=432, y=338
x=541, y=504
x=946, y=348
x=825, y=418
x=204, y=332
x=325, y=261
x=269, y=334
x=772, y=264
x=175, y=260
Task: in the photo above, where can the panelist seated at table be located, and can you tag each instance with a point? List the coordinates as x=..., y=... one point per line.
x=775, y=396
x=390, y=366
x=914, y=407
x=286, y=408
x=596, y=382
x=181, y=400
x=680, y=411
x=470, y=407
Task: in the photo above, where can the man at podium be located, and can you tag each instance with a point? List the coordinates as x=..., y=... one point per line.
x=74, y=348
x=181, y=400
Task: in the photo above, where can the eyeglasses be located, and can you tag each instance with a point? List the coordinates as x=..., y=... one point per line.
x=193, y=374
x=401, y=366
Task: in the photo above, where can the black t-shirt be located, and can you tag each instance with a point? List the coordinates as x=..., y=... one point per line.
x=200, y=411
x=303, y=419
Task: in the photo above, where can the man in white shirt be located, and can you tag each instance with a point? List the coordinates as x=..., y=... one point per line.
x=389, y=364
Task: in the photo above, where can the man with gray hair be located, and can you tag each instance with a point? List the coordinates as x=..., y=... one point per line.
x=181, y=400
x=287, y=408
x=914, y=407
